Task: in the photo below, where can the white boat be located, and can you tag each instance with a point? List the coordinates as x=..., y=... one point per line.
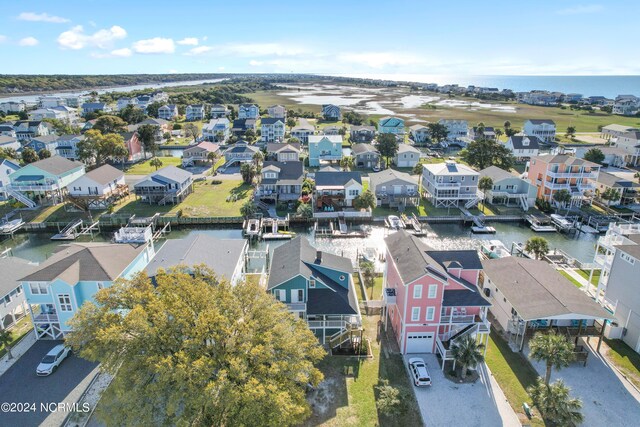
x=10, y=226
x=370, y=254
x=493, y=249
x=561, y=222
x=394, y=222
x=483, y=229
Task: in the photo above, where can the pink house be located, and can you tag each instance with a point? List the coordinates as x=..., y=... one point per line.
x=432, y=297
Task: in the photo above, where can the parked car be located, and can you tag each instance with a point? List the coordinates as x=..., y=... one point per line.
x=419, y=372
x=52, y=360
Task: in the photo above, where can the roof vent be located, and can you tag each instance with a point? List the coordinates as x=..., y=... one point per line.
x=318, y=255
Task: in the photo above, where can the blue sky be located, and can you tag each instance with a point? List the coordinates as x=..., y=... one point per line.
x=561, y=37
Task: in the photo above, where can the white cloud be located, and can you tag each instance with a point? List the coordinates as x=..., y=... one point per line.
x=188, y=41
x=581, y=9
x=124, y=52
x=255, y=63
x=154, y=45
x=75, y=38
x=3, y=38
x=41, y=17
x=28, y=41
x=198, y=50
x=259, y=49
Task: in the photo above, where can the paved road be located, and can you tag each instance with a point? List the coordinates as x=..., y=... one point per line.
x=20, y=384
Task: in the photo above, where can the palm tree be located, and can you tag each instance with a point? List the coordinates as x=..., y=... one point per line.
x=555, y=404
x=257, y=158
x=156, y=162
x=346, y=162
x=6, y=339
x=498, y=133
x=369, y=276
x=467, y=352
x=537, y=246
x=485, y=184
x=555, y=350
x=562, y=197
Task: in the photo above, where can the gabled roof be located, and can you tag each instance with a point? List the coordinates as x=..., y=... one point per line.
x=406, y=148
x=239, y=147
x=275, y=147
x=611, y=180
x=204, y=145
x=289, y=173
x=86, y=262
x=271, y=121
x=518, y=142
x=220, y=255
x=56, y=165
x=329, y=178
x=363, y=148
x=104, y=174
x=157, y=122
x=363, y=128
x=13, y=269
x=496, y=174
x=389, y=175
x=538, y=291
x=541, y=121
x=172, y=173
x=390, y=121
x=314, y=139
x=418, y=127
x=564, y=159
x=450, y=168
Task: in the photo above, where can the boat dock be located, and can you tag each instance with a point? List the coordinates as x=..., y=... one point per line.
x=9, y=227
x=340, y=230
x=251, y=228
x=275, y=229
x=540, y=224
x=564, y=224
x=75, y=229
x=413, y=224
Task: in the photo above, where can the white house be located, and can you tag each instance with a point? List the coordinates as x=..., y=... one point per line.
x=630, y=143
x=99, y=188
x=12, y=107
x=194, y=112
x=456, y=129
x=168, y=112
x=626, y=105
x=217, y=130
x=218, y=111
x=303, y=130
x=523, y=147
x=7, y=167
x=336, y=190
x=272, y=129
x=407, y=157
x=419, y=134
x=544, y=129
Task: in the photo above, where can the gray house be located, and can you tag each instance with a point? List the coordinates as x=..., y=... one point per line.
x=394, y=189
x=407, y=157
x=167, y=185
x=14, y=305
x=365, y=155
x=362, y=133
x=224, y=256
x=509, y=189
x=280, y=181
x=450, y=184
x=283, y=152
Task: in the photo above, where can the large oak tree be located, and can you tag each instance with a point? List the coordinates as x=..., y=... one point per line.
x=195, y=350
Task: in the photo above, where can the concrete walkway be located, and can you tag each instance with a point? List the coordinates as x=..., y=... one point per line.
x=17, y=351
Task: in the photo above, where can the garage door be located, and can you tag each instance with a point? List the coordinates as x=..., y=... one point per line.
x=419, y=342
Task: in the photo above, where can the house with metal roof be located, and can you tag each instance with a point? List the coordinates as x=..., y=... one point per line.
x=44, y=181
x=199, y=154
x=365, y=155
x=324, y=148
x=318, y=287
x=529, y=295
x=335, y=190
x=432, y=297
x=272, y=129
x=98, y=189
x=394, y=125
x=226, y=257
x=167, y=185
x=509, y=189
x=280, y=181
x=394, y=189
x=14, y=305
x=57, y=289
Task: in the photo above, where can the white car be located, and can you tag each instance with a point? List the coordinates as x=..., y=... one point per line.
x=419, y=372
x=52, y=360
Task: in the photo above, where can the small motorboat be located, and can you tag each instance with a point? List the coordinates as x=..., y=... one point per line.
x=370, y=254
x=394, y=222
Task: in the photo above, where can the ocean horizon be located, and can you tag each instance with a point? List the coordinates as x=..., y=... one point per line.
x=609, y=86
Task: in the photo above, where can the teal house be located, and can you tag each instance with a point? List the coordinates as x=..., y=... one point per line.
x=324, y=148
x=318, y=287
x=44, y=181
x=394, y=125
x=72, y=276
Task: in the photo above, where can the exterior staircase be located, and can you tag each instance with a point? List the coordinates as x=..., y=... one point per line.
x=472, y=202
x=22, y=198
x=523, y=202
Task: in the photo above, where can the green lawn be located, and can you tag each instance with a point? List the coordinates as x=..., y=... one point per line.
x=585, y=274
x=144, y=168
x=425, y=209
x=207, y=200
x=514, y=374
x=571, y=279
x=351, y=401
x=21, y=329
x=625, y=359
x=372, y=294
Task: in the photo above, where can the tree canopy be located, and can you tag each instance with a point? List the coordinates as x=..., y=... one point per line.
x=110, y=124
x=594, y=155
x=387, y=145
x=147, y=136
x=483, y=153
x=438, y=132
x=555, y=350
x=97, y=147
x=537, y=246
x=195, y=350
x=29, y=155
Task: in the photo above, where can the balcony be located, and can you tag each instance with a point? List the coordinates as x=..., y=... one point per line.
x=329, y=157
x=297, y=306
x=46, y=318
x=447, y=185
x=33, y=186
x=460, y=318
x=576, y=175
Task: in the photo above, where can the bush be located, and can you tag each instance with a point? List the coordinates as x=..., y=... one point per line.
x=544, y=205
x=216, y=182
x=306, y=162
x=389, y=400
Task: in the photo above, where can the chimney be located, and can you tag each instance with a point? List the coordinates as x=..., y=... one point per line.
x=319, y=256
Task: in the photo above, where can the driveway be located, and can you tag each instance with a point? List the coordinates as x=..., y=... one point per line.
x=446, y=403
x=20, y=384
x=607, y=398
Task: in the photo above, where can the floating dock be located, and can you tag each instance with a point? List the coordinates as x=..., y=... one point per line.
x=275, y=229
x=8, y=228
x=540, y=224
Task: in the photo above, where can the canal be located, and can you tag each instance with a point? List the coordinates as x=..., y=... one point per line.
x=37, y=247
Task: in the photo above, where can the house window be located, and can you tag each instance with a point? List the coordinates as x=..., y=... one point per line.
x=281, y=295
x=433, y=291
x=38, y=288
x=462, y=179
x=431, y=312
x=417, y=291
x=65, y=302
x=341, y=278
x=415, y=314
x=312, y=283
x=300, y=295
x=627, y=258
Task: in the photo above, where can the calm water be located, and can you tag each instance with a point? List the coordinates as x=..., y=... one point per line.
x=37, y=246
x=608, y=86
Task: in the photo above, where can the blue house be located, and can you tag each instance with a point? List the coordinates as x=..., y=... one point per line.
x=327, y=148
x=394, y=125
x=318, y=287
x=248, y=111
x=45, y=142
x=72, y=276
